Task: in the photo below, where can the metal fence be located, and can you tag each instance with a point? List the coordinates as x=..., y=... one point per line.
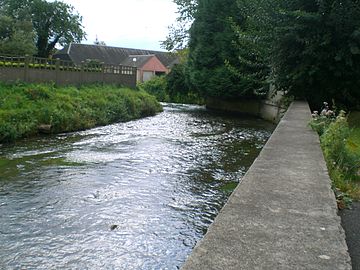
x=36, y=70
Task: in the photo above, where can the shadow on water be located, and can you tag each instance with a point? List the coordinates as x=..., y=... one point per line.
x=135, y=195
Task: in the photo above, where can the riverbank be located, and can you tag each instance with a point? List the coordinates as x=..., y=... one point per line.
x=31, y=109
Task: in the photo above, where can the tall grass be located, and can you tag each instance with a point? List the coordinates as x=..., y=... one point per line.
x=24, y=108
x=340, y=144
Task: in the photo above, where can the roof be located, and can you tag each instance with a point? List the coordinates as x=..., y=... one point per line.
x=110, y=55
x=136, y=60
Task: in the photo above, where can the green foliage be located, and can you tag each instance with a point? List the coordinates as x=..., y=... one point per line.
x=177, y=81
x=321, y=122
x=179, y=33
x=342, y=161
x=210, y=46
x=354, y=119
x=334, y=143
x=25, y=107
x=16, y=37
x=307, y=49
x=53, y=22
x=157, y=87
x=317, y=50
x=172, y=88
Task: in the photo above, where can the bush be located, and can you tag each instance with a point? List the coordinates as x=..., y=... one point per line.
x=321, y=122
x=171, y=88
x=157, y=87
x=336, y=152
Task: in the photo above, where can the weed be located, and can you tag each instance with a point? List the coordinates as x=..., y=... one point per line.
x=340, y=152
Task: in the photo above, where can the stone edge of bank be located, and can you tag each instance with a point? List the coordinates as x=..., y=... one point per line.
x=283, y=215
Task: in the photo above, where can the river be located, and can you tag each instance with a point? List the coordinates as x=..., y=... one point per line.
x=135, y=195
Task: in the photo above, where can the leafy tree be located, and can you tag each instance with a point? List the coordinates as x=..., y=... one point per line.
x=53, y=22
x=253, y=35
x=307, y=48
x=218, y=66
x=177, y=83
x=16, y=37
x=179, y=33
x=317, y=50
x=157, y=87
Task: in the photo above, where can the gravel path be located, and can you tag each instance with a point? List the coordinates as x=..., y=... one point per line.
x=350, y=220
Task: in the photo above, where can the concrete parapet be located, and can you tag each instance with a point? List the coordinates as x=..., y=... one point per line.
x=267, y=109
x=283, y=215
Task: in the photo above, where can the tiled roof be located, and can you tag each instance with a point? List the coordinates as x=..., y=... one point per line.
x=110, y=55
x=136, y=60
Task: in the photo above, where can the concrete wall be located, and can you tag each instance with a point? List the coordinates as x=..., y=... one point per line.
x=269, y=109
x=283, y=214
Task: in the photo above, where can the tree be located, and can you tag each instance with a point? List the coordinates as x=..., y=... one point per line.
x=16, y=37
x=176, y=81
x=179, y=33
x=53, y=22
x=221, y=65
x=317, y=51
x=307, y=48
x=253, y=35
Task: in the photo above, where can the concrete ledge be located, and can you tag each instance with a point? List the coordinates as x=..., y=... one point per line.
x=283, y=215
x=268, y=109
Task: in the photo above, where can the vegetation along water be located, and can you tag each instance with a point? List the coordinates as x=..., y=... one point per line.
x=340, y=141
x=135, y=195
x=30, y=109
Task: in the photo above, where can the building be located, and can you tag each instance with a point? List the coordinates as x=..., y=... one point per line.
x=148, y=63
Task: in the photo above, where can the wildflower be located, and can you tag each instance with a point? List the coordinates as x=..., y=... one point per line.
x=315, y=114
x=329, y=113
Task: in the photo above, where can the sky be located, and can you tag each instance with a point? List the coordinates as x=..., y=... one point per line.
x=140, y=24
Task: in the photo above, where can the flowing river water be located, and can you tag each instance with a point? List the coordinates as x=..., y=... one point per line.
x=135, y=195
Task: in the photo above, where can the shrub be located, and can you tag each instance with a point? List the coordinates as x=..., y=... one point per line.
x=157, y=87
x=334, y=144
x=321, y=122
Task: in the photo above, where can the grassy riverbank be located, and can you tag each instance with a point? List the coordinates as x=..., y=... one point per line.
x=29, y=109
x=340, y=141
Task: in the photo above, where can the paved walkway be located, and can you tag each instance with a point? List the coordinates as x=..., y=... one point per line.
x=283, y=215
x=350, y=219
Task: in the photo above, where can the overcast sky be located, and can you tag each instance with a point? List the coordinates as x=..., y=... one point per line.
x=139, y=24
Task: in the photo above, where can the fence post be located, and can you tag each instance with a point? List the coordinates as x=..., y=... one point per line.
x=57, y=71
x=103, y=72
x=82, y=68
x=26, y=68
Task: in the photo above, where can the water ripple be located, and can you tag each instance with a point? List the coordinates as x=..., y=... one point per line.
x=135, y=195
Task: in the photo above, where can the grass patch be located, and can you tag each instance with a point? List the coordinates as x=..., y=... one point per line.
x=24, y=108
x=354, y=136
x=353, y=142
x=340, y=142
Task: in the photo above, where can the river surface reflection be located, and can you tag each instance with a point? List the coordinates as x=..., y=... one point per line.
x=135, y=195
